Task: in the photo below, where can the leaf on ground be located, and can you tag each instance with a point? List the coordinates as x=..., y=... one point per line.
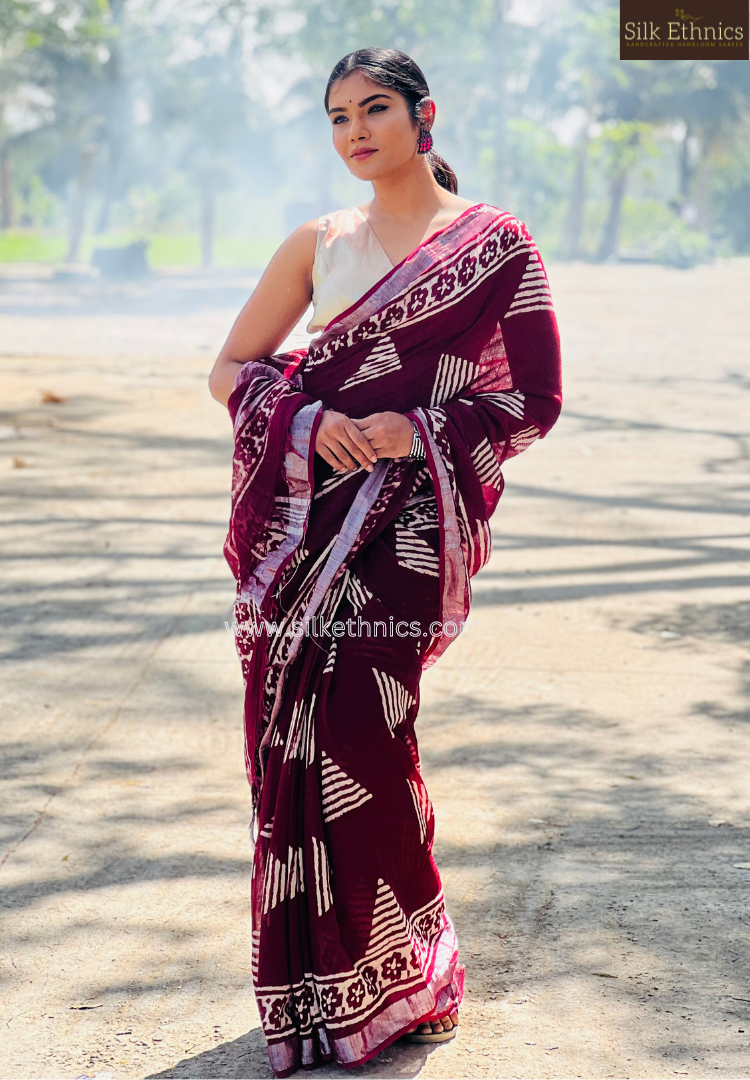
x=48, y=397
x=604, y=975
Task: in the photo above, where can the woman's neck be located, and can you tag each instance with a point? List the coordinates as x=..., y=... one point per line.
x=411, y=194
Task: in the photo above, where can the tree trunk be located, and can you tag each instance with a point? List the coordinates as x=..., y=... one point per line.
x=686, y=167
x=611, y=233
x=574, y=225
x=6, y=191
x=208, y=208
x=79, y=202
x=116, y=109
x=498, y=61
x=703, y=186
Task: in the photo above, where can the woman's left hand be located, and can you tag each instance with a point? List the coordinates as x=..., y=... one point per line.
x=390, y=434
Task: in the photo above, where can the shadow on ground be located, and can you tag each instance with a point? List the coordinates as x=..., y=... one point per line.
x=246, y=1058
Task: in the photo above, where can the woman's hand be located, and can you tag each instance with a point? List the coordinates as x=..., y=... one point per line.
x=340, y=442
x=390, y=434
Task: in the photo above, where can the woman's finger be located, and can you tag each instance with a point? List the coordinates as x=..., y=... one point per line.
x=376, y=438
x=340, y=452
x=363, y=454
x=343, y=453
x=332, y=452
x=360, y=439
x=329, y=458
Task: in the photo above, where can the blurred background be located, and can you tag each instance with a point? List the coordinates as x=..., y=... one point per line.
x=192, y=133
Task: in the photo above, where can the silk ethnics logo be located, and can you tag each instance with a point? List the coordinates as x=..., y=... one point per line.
x=709, y=29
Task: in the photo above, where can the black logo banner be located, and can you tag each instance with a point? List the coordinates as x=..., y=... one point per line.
x=710, y=29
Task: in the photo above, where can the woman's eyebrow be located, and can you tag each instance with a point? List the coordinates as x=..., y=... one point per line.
x=367, y=100
x=372, y=97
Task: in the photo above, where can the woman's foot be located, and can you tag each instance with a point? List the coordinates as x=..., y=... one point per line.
x=435, y=1030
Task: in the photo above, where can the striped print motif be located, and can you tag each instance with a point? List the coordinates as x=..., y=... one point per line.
x=254, y=954
x=389, y=927
x=267, y=830
x=420, y=514
x=438, y=418
x=510, y=401
x=396, y=701
x=415, y=553
x=480, y=548
x=357, y=594
x=533, y=293
x=323, y=894
x=334, y=481
x=299, y=556
x=331, y=658
x=422, y=806
x=453, y=375
x=381, y=360
x=524, y=438
x=486, y=464
x=301, y=738
x=282, y=880
x=340, y=793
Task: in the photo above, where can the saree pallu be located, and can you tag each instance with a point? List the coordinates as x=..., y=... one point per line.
x=348, y=586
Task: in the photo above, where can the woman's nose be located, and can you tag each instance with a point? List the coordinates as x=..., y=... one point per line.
x=358, y=130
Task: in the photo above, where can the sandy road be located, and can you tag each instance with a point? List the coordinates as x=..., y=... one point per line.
x=588, y=749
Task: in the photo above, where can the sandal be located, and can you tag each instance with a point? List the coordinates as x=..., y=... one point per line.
x=432, y=1036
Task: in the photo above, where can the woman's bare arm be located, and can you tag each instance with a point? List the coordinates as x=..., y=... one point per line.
x=278, y=302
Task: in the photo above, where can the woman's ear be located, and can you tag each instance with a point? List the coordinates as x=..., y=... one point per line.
x=426, y=112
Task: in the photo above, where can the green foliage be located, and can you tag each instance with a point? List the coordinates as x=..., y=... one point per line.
x=20, y=246
x=182, y=113
x=681, y=247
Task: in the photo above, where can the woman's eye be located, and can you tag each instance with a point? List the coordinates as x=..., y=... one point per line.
x=374, y=108
x=337, y=118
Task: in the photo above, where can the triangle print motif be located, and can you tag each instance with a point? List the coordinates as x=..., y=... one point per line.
x=389, y=928
x=533, y=293
x=381, y=360
x=524, y=438
x=413, y=552
x=357, y=594
x=340, y=793
x=282, y=880
x=422, y=806
x=300, y=741
x=486, y=464
x=331, y=661
x=396, y=701
x=453, y=375
x=322, y=875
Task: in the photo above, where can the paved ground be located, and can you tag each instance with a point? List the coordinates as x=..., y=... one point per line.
x=587, y=752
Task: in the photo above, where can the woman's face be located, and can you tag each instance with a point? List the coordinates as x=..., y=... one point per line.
x=372, y=129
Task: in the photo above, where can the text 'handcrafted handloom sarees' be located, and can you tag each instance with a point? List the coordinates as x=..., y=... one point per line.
x=348, y=586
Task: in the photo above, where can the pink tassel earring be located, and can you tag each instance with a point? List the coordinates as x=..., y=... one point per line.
x=425, y=141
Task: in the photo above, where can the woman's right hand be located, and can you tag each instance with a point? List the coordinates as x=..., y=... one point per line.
x=340, y=442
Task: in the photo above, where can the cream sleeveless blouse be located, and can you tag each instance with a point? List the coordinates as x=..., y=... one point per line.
x=348, y=262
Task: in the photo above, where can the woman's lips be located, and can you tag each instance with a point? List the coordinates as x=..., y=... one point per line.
x=360, y=155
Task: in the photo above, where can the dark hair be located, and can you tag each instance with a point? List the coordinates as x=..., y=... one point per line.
x=396, y=70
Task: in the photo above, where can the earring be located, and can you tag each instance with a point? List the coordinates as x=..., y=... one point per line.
x=425, y=141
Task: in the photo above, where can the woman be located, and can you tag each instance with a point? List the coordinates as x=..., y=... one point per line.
x=366, y=469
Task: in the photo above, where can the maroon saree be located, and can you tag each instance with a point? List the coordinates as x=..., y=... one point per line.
x=348, y=586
